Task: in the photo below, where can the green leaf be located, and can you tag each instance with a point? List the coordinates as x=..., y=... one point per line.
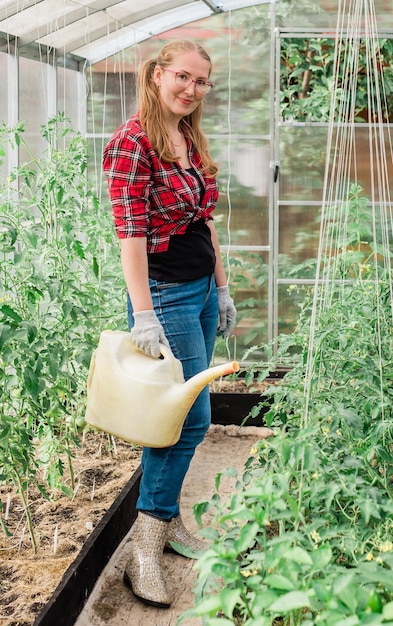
x=66, y=307
x=183, y=549
x=31, y=381
x=341, y=583
x=52, y=365
x=276, y=581
x=387, y=611
x=5, y=529
x=293, y=505
x=285, y=447
x=308, y=458
x=60, y=195
x=13, y=233
x=263, y=600
x=74, y=314
x=199, y=509
x=10, y=312
x=348, y=597
x=372, y=573
x=31, y=331
x=246, y=538
x=209, y=605
x=5, y=331
x=368, y=509
x=78, y=248
x=322, y=556
x=96, y=269
x=333, y=489
x=299, y=555
x=229, y=599
x=290, y=602
x=54, y=289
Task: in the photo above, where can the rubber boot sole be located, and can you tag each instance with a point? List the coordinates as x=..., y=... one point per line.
x=158, y=605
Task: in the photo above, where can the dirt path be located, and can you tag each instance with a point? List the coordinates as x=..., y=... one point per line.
x=111, y=603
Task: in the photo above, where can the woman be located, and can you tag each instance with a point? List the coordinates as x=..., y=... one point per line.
x=163, y=189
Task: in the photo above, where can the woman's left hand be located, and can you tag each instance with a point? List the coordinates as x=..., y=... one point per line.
x=226, y=310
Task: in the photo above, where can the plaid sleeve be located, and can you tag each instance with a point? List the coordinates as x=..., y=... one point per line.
x=128, y=174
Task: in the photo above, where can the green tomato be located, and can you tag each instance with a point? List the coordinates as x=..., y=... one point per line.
x=80, y=421
x=374, y=602
x=76, y=422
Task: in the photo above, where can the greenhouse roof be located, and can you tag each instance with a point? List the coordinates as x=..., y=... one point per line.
x=91, y=30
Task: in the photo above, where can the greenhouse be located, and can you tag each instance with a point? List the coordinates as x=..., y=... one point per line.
x=297, y=114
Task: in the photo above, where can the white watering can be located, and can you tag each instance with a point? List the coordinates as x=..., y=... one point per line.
x=139, y=398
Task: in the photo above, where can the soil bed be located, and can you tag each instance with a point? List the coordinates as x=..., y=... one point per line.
x=62, y=525
x=238, y=385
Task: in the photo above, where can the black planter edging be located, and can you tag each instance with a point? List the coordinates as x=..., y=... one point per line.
x=79, y=579
x=233, y=408
x=71, y=594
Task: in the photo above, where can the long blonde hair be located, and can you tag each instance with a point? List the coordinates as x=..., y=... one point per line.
x=150, y=111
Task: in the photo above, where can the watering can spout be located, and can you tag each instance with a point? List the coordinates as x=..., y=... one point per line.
x=184, y=395
x=195, y=384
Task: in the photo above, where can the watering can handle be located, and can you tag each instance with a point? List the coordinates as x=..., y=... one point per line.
x=166, y=352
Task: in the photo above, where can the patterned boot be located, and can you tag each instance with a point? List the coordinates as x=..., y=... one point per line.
x=178, y=533
x=143, y=573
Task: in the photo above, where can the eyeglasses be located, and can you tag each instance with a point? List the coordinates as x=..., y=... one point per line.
x=183, y=80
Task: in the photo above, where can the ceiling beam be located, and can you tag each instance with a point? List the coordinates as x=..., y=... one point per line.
x=9, y=8
x=216, y=8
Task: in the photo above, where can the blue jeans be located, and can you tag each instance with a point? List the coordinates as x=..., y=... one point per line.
x=188, y=313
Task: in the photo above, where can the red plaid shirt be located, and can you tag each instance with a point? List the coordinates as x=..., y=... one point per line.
x=151, y=198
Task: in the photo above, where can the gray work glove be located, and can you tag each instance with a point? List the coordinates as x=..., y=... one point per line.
x=226, y=310
x=147, y=333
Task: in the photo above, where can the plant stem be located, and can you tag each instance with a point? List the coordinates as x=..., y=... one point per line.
x=69, y=462
x=18, y=483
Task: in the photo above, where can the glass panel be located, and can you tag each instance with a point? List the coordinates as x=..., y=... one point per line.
x=290, y=298
x=372, y=148
x=298, y=240
x=248, y=277
x=3, y=92
x=95, y=148
x=302, y=162
x=68, y=94
x=113, y=99
x=244, y=203
x=303, y=156
x=3, y=105
x=241, y=72
x=33, y=108
x=323, y=14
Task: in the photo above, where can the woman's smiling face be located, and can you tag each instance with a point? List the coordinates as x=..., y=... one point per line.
x=177, y=100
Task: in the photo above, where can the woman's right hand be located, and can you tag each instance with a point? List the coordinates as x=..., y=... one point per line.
x=147, y=333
